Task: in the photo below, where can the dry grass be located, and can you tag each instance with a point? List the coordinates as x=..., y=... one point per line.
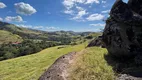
x=91, y=65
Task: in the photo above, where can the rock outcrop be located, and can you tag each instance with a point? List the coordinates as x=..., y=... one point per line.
x=123, y=31
x=58, y=71
x=96, y=42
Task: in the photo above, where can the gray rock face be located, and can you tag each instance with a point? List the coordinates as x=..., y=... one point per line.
x=123, y=31
x=96, y=42
x=127, y=77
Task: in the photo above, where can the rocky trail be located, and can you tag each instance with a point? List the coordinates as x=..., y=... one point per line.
x=58, y=71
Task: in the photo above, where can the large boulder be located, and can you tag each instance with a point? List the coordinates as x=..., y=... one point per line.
x=123, y=31
x=136, y=6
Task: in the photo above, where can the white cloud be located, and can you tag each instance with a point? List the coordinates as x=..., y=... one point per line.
x=103, y=2
x=94, y=17
x=38, y=27
x=24, y=8
x=51, y=28
x=44, y=28
x=69, y=12
x=79, y=16
x=1, y=19
x=14, y=19
x=106, y=11
x=77, y=9
x=24, y=26
x=98, y=25
x=92, y=1
x=2, y=5
x=68, y=3
x=71, y=3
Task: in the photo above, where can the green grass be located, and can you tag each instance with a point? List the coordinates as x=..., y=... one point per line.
x=32, y=66
x=6, y=37
x=91, y=65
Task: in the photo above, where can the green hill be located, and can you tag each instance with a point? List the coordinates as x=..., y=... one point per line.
x=27, y=33
x=91, y=64
x=6, y=37
x=32, y=66
x=23, y=32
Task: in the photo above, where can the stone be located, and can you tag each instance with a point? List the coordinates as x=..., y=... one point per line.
x=96, y=42
x=58, y=70
x=136, y=6
x=123, y=31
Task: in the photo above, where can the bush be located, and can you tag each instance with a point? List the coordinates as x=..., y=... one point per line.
x=8, y=55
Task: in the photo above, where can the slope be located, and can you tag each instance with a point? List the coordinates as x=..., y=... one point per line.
x=6, y=37
x=91, y=65
x=31, y=67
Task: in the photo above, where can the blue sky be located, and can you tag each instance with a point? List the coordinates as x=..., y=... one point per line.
x=53, y=15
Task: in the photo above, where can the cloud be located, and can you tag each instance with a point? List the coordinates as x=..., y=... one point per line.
x=69, y=12
x=77, y=8
x=24, y=26
x=43, y=28
x=92, y=1
x=52, y=28
x=106, y=11
x=70, y=3
x=24, y=8
x=2, y=5
x=14, y=19
x=103, y=1
x=79, y=16
x=98, y=25
x=38, y=27
x=94, y=17
x=1, y=19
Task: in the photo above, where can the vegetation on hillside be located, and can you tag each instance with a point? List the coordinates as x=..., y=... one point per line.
x=17, y=41
x=6, y=37
x=91, y=66
x=59, y=36
x=32, y=66
x=27, y=47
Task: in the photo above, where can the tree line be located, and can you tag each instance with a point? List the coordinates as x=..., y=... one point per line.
x=27, y=47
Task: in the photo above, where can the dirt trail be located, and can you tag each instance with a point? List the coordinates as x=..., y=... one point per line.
x=58, y=71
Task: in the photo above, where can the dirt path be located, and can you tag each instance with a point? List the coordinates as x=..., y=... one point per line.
x=58, y=71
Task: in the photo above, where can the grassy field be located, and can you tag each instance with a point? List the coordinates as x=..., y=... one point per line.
x=6, y=37
x=91, y=66
x=32, y=66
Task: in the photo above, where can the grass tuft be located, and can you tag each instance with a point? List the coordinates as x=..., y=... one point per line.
x=91, y=65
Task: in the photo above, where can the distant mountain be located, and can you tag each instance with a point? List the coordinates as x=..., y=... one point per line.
x=23, y=32
x=27, y=33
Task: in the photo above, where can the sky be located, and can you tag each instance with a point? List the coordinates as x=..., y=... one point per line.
x=55, y=15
